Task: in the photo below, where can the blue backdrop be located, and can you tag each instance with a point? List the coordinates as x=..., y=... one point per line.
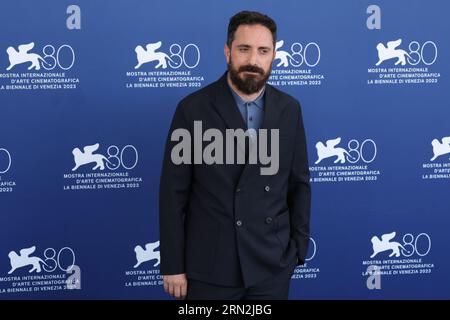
x=87, y=92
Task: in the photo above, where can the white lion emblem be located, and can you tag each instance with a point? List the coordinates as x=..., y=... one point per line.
x=150, y=54
x=147, y=254
x=82, y=158
x=440, y=149
x=390, y=52
x=22, y=56
x=329, y=150
x=284, y=56
x=384, y=245
x=23, y=259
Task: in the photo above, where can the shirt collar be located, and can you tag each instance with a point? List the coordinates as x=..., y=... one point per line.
x=259, y=101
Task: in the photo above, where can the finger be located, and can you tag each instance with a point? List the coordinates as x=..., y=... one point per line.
x=171, y=289
x=166, y=286
x=184, y=291
x=178, y=291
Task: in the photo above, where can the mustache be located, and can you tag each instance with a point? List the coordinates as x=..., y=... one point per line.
x=251, y=68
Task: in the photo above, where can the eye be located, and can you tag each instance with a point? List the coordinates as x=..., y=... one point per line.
x=243, y=49
x=264, y=51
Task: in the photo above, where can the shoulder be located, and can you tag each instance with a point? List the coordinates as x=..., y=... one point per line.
x=285, y=99
x=202, y=95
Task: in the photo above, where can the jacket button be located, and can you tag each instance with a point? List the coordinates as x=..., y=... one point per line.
x=267, y=188
x=239, y=223
x=268, y=220
x=238, y=190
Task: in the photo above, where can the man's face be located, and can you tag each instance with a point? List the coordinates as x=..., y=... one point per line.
x=250, y=57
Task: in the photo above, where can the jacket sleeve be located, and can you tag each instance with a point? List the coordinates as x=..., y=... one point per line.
x=175, y=184
x=299, y=192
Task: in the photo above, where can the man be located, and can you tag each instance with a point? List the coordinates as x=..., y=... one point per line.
x=227, y=231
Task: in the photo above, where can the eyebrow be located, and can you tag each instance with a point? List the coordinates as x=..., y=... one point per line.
x=248, y=46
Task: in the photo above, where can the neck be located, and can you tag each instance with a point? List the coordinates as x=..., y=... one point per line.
x=244, y=96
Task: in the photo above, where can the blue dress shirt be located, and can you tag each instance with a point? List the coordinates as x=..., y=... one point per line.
x=252, y=111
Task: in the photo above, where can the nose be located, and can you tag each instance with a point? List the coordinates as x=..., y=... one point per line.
x=253, y=58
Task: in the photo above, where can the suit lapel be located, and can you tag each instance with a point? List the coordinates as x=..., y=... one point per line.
x=272, y=112
x=226, y=107
x=272, y=109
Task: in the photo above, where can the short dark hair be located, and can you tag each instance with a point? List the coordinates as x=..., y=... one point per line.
x=250, y=18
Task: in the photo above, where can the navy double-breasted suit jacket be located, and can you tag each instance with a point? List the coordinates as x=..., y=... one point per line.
x=227, y=224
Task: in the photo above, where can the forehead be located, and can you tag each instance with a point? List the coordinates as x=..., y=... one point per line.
x=254, y=35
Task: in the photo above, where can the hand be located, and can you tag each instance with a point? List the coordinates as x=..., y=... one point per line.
x=176, y=285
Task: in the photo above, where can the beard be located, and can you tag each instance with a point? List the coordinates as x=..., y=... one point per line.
x=249, y=83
